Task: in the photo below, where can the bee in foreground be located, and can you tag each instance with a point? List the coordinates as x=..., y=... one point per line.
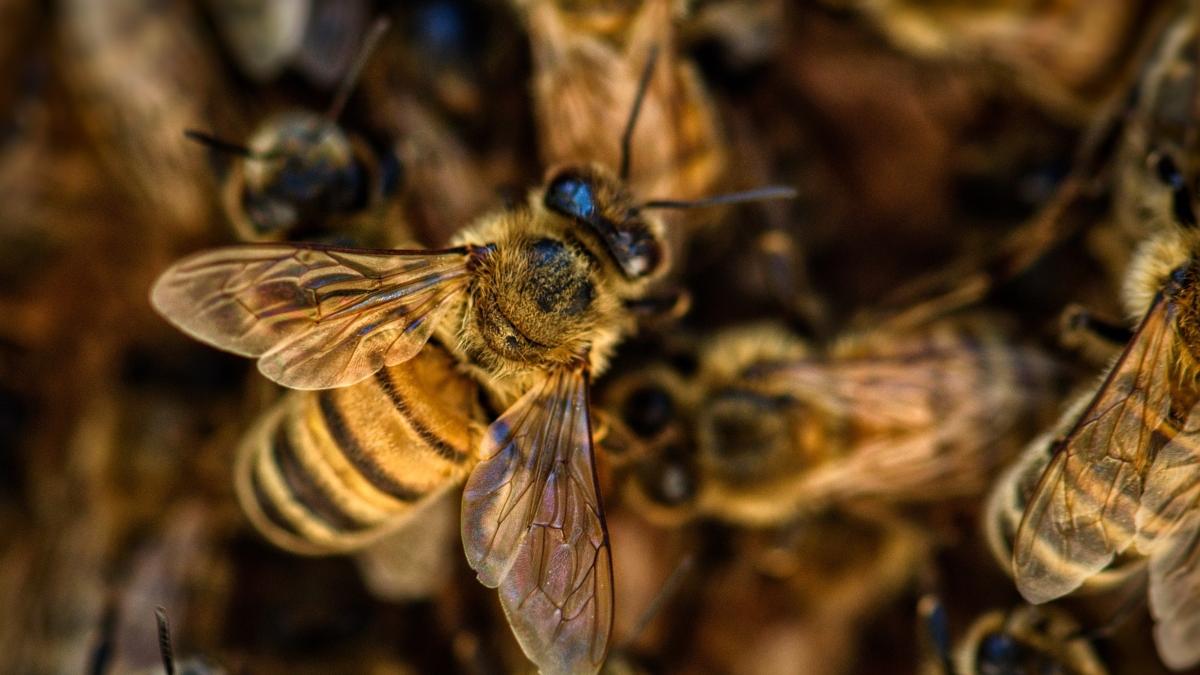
x=767, y=430
x=301, y=175
x=1125, y=477
x=1025, y=639
x=530, y=302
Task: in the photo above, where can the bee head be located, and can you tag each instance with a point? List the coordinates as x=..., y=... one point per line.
x=597, y=202
x=304, y=165
x=745, y=436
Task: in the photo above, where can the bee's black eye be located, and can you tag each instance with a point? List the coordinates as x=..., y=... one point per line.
x=647, y=411
x=1000, y=654
x=572, y=197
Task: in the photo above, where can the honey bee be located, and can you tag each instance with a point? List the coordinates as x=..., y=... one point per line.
x=300, y=175
x=770, y=430
x=1122, y=479
x=1025, y=639
x=1159, y=127
x=527, y=305
x=587, y=58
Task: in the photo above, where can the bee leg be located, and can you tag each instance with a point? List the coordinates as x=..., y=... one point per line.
x=1078, y=324
x=665, y=305
x=934, y=629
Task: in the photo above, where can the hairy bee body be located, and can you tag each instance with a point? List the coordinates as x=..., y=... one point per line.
x=310, y=179
x=1158, y=130
x=326, y=471
x=775, y=431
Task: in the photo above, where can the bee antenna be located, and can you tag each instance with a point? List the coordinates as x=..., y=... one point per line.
x=669, y=587
x=758, y=195
x=627, y=135
x=1181, y=195
x=216, y=143
x=378, y=28
x=936, y=628
x=164, y=640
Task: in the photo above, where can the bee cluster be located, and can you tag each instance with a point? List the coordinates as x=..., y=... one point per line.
x=624, y=336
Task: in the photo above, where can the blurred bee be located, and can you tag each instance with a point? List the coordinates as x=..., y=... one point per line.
x=529, y=303
x=1123, y=477
x=138, y=72
x=1066, y=55
x=301, y=176
x=317, y=37
x=769, y=430
x=587, y=58
x=1024, y=640
x=1159, y=126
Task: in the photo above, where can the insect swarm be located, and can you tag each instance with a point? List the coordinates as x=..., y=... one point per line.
x=813, y=526
x=530, y=302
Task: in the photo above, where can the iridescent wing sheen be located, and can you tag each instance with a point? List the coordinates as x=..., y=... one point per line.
x=532, y=526
x=316, y=317
x=1084, y=510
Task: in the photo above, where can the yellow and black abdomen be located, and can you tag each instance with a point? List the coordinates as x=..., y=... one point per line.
x=331, y=470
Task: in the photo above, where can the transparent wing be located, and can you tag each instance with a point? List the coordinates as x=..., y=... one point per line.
x=1169, y=531
x=926, y=423
x=533, y=527
x=1084, y=509
x=317, y=317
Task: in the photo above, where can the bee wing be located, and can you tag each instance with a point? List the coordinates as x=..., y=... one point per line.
x=936, y=415
x=1169, y=530
x=316, y=317
x=1174, y=604
x=532, y=526
x=1084, y=509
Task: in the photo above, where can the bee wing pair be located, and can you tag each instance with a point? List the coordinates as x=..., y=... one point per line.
x=1127, y=474
x=321, y=317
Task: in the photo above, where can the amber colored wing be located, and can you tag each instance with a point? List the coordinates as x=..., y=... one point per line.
x=926, y=423
x=533, y=527
x=316, y=317
x=1084, y=509
x=1169, y=531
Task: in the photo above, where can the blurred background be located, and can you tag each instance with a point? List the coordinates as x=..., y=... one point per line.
x=964, y=154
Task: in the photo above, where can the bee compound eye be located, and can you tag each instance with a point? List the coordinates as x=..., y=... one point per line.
x=1000, y=654
x=571, y=196
x=648, y=410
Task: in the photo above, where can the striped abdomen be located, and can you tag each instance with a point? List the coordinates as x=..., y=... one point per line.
x=330, y=470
